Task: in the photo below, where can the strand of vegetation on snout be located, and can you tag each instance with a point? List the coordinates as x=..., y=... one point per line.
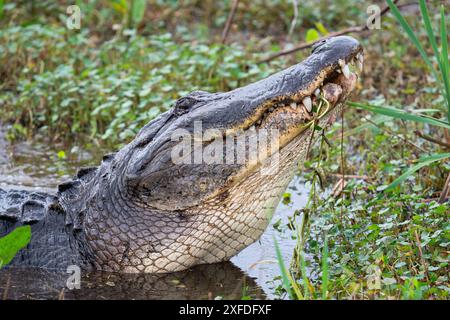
x=294, y=289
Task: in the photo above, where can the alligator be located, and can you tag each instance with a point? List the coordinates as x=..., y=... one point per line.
x=161, y=204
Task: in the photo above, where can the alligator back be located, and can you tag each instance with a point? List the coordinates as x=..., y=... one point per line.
x=54, y=244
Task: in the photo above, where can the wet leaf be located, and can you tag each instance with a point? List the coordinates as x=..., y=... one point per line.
x=312, y=35
x=13, y=242
x=321, y=28
x=61, y=154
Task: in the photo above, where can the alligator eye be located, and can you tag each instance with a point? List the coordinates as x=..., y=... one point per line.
x=183, y=105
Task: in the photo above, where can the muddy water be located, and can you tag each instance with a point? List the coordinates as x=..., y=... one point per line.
x=38, y=166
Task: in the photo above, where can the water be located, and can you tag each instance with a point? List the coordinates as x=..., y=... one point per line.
x=37, y=166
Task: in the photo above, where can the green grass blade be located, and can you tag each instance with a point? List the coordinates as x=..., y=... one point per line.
x=445, y=69
x=375, y=121
x=427, y=110
x=306, y=283
x=325, y=272
x=423, y=162
x=138, y=10
x=400, y=114
x=304, y=278
x=429, y=28
x=284, y=273
x=442, y=58
x=397, y=14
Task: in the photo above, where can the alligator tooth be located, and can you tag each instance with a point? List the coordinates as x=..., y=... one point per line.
x=307, y=103
x=346, y=71
x=360, y=65
x=360, y=57
x=341, y=63
x=360, y=61
x=294, y=105
x=317, y=92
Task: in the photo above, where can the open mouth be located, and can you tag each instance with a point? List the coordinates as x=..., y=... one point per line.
x=330, y=88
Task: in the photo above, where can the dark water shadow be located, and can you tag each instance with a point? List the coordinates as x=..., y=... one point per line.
x=221, y=280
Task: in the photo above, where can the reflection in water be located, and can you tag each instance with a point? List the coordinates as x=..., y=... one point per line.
x=212, y=281
x=35, y=166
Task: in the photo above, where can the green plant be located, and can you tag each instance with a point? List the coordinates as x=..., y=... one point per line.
x=132, y=11
x=285, y=276
x=13, y=242
x=2, y=3
x=442, y=76
x=343, y=241
x=289, y=282
x=137, y=11
x=325, y=273
x=441, y=57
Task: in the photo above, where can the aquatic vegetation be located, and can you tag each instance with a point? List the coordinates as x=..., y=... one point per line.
x=12, y=243
x=375, y=251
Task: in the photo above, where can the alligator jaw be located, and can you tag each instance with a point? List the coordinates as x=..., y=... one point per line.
x=293, y=113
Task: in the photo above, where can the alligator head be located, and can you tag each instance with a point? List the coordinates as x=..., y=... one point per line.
x=200, y=183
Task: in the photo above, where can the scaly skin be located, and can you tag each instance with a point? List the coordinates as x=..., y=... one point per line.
x=141, y=211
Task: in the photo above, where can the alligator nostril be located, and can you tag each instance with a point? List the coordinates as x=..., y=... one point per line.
x=318, y=44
